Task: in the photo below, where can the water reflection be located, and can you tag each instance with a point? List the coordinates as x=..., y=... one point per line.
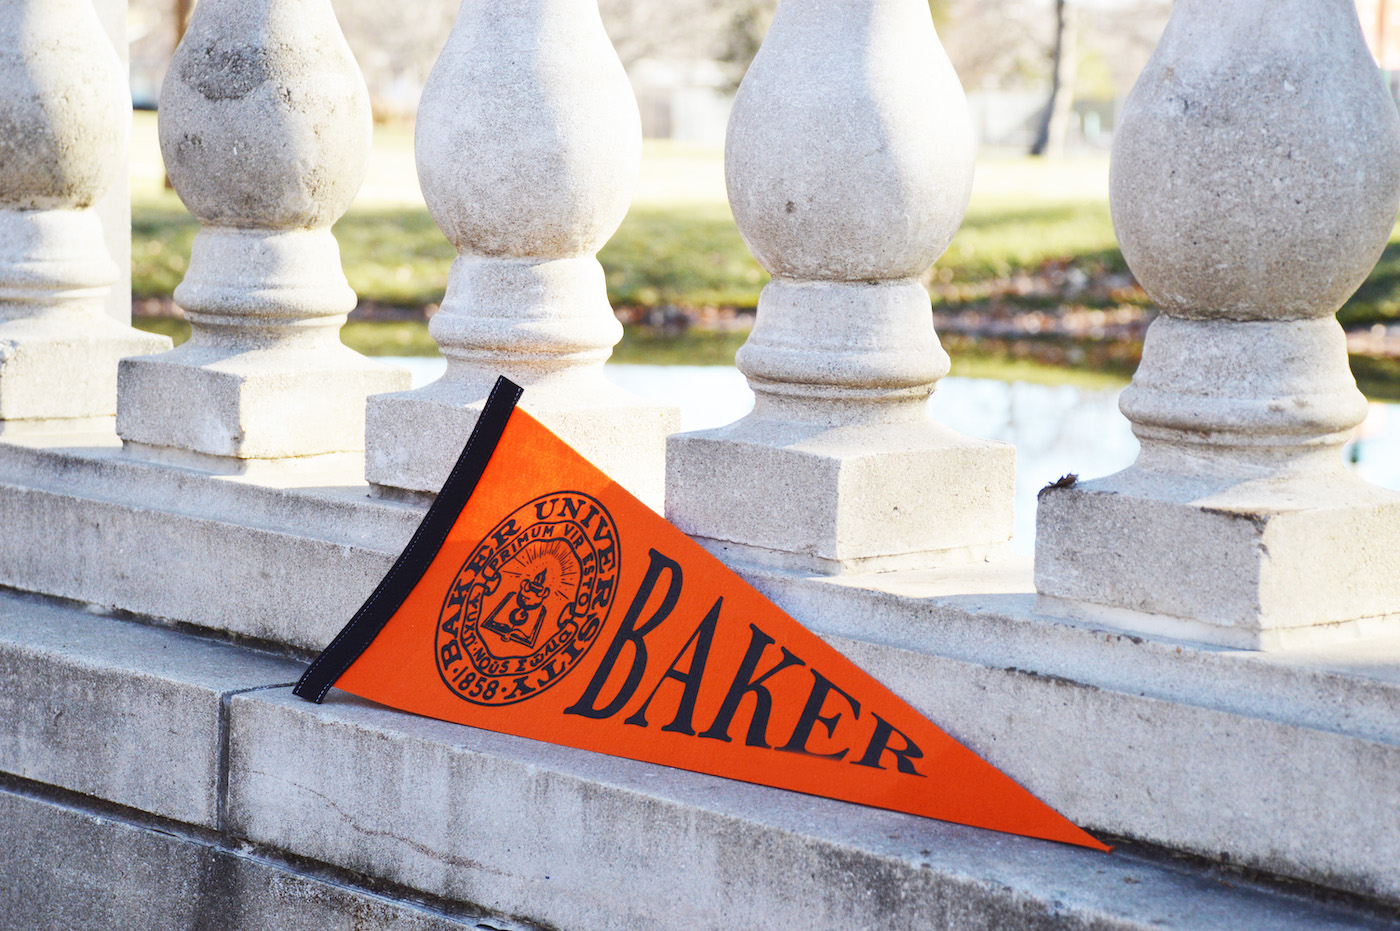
x=1055, y=429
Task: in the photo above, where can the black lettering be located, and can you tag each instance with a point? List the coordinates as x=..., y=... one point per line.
x=603, y=595
x=521, y=688
x=745, y=683
x=554, y=669
x=506, y=530
x=587, y=705
x=880, y=744
x=590, y=628
x=451, y=653
x=571, y=506
x=703, y=636
x=811, y=714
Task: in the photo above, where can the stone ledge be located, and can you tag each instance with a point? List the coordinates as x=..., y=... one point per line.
x=845, y=500
x=1241, y=566
x=114, y=709
x=93, y=525
x=1283, y=762
x=1263, y=731
x=82, y=868
x=594, y=842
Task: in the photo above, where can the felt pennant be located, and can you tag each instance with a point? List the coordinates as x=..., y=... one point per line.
x=540, y=599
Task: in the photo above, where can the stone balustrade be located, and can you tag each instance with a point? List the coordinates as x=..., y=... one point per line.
x=1203, y=662
x=1255, y=181
x=265, y=130
x=849, y=163
x=528, y=143
x=63, y=128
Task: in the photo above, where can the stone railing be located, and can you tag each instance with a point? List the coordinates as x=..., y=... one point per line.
x=1204, y=659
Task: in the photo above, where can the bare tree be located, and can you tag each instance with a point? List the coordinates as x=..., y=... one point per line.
x=685, y=29
x=182, y=11
x=998, y=42
x=1064, y=64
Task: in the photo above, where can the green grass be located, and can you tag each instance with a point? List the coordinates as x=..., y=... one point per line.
x=1378, y=299
x=394, y=255
x=679, y=247
x=177, y=330
x=998, y=240
x=689, y=255
x=1379, y=379
x=161, y=235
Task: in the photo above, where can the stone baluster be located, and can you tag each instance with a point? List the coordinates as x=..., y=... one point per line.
x=64, y=121
x=849, y=162
x=265, y=130
x=1255, y=181
x=528, y=145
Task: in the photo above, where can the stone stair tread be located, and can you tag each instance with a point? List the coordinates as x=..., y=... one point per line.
x=600, y=840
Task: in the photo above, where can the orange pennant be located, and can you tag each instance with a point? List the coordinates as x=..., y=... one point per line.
x=540, y=599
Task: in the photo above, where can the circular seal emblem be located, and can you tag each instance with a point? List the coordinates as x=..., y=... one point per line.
x=529, y=601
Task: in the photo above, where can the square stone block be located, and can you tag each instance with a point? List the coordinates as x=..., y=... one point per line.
x=1245, y=566
x=120, y=711
x=65, y=366
x=259, y=404
x=413, y=438
x=843, y=500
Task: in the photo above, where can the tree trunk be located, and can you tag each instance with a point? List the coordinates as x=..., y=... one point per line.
x=1064, y=60
x=183, y=8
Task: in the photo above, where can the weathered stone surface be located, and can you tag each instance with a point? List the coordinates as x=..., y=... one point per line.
x=286, y=564
x=829, y=501
x=613, y=430
x=1262, y=577
x=265, y=131
x=259, y=404
x=1255, y=168
x=528, y=143
x=120, y=711
x=593, y=842
x=64, y=119
x=849, y=161
x=64, y=868
x=1283, y=762
x=301, y=560
x=1255, y=181
x=61, y=365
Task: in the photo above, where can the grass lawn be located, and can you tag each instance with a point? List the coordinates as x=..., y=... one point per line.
x=1032, y=225
x=677, y=246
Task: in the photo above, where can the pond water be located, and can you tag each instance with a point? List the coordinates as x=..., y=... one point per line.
x=1055, y=429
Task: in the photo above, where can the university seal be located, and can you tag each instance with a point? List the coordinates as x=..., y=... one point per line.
x=529, y=601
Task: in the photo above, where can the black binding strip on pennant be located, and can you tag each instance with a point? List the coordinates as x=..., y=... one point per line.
x=408, y=569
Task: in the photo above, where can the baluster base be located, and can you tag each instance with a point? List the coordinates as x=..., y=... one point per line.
x=1262, y=564
x=271, y=403
x=841, y=499
x=61, y=366
x=413, y=438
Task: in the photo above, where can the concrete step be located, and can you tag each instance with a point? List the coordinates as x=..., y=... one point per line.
x=495, y=824
x=126, y=712
x=67, y=867
x=1283, y=762
x=286, y=563
x=1288, y=763
x=593, y=842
